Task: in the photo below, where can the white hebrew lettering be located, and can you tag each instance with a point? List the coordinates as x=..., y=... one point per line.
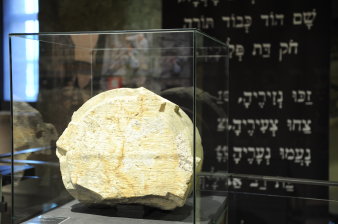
x=251, y=158
x=210, y=23
x=273, y=127
x=252, y=125
x=287, y=48
x=306, y=18
x=276, y=184
x=237, y=126
x=302, y=96
x=252, y=155
x=221, y=153
x=263, y=187
x=203, y=3
x=290, y=125
x=309, y=18
x=306, y=126
x=273, y=19
x=262, y=98
x=282, y=153
x=299, y=156
x=223, y=96
x=187, y=23
x=239, y=51
x=264, y=123
x=199, y=23
x=238, y=22
x=280, y=17
x=279, y=99
x=231, y=50
x=297, y=18
x=215, y=185
x=259, y=155
x=206, y=22
x=236, y=183
x=222, y=122
x=267, y=156
x=254, y=184
x=289, y=154
x=266, y=19
x=195, y=3
x=293, y=46
x=237, y=155
x=247, y=23
x=246, y=100
x=257, y=47
x=262, y=101
x=251, y=130
x=235, y=49
x=308, y=157
x=299, y=125
x=266, y=50
x=287, y=186
x=296, y=155
x=227, y=20
x=215, y=2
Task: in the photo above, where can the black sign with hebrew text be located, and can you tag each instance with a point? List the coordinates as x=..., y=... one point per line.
x=279, y=85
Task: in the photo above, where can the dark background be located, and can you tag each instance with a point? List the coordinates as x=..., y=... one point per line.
x=307, y=70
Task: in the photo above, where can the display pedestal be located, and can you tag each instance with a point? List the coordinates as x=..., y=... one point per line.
x=77, y=213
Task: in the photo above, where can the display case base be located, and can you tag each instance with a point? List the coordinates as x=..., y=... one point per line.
x=78, y=213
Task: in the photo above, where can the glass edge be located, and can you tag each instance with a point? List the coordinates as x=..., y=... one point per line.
x=272, y=195
x=211, y=37
x=194, y=218
x=305, y=181
x=272, y=178
x=107, y=32
x=11, y=130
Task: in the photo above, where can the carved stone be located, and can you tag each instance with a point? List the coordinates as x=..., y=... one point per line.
x=129, y=146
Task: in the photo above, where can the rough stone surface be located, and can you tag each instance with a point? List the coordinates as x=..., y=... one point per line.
x=30, y=131
x=129, y=146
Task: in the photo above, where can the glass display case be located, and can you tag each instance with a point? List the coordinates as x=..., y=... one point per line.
x=54, y=74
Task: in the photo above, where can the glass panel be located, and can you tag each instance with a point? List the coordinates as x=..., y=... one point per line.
x=211, y=100
x=261, y=208
x=72, y=68
x=37, y=182
x=186, y=67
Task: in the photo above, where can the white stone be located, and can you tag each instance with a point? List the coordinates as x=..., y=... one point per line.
x=129, y=146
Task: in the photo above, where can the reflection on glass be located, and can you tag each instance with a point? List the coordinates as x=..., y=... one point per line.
x=72, y=68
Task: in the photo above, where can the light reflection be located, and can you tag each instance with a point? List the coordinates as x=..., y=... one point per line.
x=21, y=16
x=31, y=6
